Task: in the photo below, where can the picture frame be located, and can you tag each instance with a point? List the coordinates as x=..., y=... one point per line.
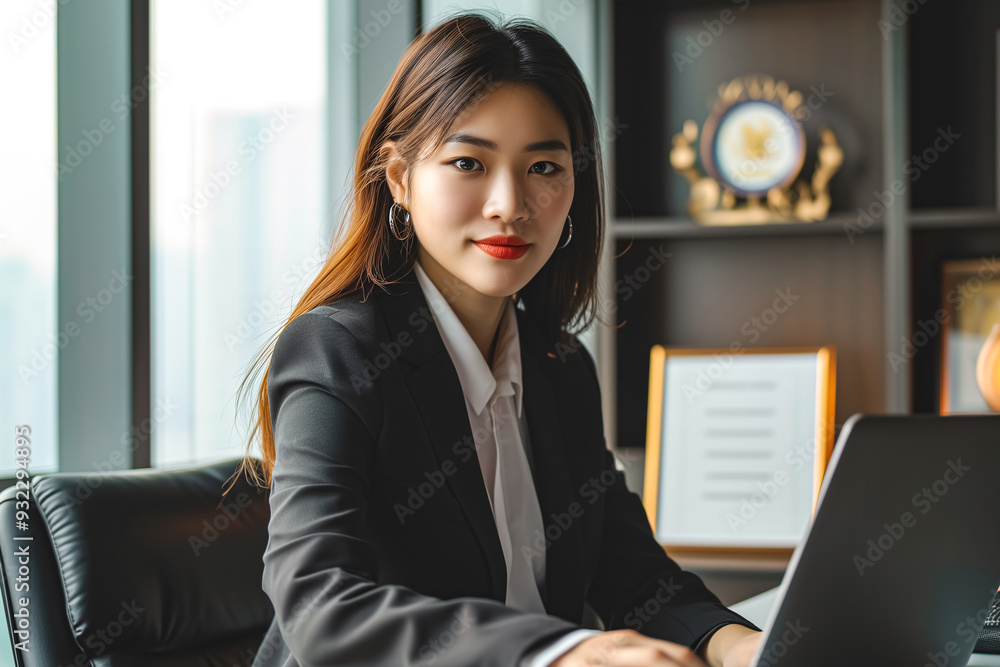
x=970, y=306
x=737, y=444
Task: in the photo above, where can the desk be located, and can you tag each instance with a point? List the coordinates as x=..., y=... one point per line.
x=758, y=609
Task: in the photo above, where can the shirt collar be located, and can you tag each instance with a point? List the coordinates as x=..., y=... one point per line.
x=479, y=381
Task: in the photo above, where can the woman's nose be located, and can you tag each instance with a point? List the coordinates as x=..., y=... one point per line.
x=507, y=198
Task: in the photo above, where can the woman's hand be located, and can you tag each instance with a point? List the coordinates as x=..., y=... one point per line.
x=732, y=645
x=742, y=651
x=628, y=648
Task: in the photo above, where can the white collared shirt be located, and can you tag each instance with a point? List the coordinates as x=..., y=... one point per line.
x=481, y=385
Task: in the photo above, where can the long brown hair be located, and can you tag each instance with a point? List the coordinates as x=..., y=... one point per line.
x=440, y=75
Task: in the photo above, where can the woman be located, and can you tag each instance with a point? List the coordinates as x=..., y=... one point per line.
x=440, y=488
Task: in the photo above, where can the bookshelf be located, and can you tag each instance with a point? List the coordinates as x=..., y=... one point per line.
x=897, y=88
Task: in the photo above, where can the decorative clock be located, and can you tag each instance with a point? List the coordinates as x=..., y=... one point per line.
x=752, y=149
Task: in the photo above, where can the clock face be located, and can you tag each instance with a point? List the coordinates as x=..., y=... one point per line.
x=753, y=146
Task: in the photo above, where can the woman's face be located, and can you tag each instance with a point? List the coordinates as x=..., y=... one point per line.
x=504, y=169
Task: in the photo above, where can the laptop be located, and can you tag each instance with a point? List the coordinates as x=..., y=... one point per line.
x=902, y=559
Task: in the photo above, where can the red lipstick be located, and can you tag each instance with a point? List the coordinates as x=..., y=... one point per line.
x=503, y=247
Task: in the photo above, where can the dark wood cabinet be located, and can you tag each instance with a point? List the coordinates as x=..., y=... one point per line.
x=910, y=90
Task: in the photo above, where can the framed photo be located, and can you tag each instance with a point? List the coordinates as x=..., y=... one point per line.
x=737, y=444
x=970, y=292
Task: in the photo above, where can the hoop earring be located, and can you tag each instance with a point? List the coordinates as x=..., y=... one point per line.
x=406, y=224
x=566, y=243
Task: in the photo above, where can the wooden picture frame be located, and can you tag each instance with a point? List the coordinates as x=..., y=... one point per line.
x=970, y=306
x=804, y=375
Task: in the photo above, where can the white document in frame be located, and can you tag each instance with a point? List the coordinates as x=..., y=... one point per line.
x=738, y=450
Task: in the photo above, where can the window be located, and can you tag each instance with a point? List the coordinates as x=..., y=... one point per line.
x=30, y=337
x=239, y=195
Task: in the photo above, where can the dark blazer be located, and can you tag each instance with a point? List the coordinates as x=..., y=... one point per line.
x=382, y=548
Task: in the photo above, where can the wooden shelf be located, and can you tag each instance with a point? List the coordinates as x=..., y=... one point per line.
x=894, y=94
x=954, y=218
x=716, y=562
x=660, y=228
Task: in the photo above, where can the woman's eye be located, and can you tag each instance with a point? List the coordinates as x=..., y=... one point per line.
x=543, y=164
x=467, y=160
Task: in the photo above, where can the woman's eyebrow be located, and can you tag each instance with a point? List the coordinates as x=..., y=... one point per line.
x=537, y=147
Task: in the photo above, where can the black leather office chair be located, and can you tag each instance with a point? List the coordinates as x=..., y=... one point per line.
x=139, y=568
